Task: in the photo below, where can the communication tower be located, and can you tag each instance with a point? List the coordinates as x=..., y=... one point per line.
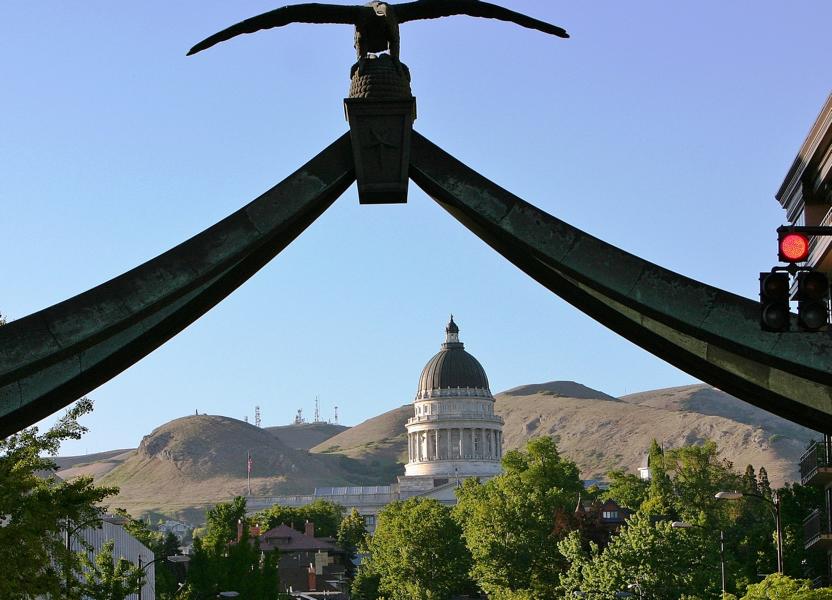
x=257, y=416
x=317, y=410
x=336, y=415
x=299, y=417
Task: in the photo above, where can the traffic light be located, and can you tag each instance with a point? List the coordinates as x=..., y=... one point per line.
x=774, y=301
x=812, y=300
x=792, y=247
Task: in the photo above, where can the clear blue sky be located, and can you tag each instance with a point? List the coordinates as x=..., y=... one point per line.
x=662, y=127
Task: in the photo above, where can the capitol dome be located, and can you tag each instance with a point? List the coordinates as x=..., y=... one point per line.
x=452, y=367
x=454, y=432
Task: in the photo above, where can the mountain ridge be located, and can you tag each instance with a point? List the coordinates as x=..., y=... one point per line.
x=194, y=461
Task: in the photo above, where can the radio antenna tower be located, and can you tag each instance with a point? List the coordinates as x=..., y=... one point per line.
x=336, y=415
x=257, y=416
x=317, y=410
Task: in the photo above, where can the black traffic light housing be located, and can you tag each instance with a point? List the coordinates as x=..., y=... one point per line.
x=774, y=301
x=812, y=300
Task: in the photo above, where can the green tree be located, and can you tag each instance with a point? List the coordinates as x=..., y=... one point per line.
x=655, y=560
x=510, y=523
x=324, y=514
x=221, y=562
x=106, y=578
x=365, y=586
x=418, y=553
x=222, y=521
x=36, y=508
x=628, y=490
x=351, y=533
x=781, y=587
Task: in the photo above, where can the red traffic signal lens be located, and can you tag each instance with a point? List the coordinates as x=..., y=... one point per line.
x=794, y=247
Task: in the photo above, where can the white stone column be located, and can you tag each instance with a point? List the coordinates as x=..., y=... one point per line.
x=461, y=438
x=436, y=444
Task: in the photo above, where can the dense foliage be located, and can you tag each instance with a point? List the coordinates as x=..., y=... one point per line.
x=220, y=562
x=417, y=552
x=108, y=578
x=324, y=514
x=351, y=536
x=683, y=485
x=511, y=523
x=36, y=509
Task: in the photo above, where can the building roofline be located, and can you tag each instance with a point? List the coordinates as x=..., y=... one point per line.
x=818, y=136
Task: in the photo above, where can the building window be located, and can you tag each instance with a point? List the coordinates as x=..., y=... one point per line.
x=610, y=514
x=370, y=520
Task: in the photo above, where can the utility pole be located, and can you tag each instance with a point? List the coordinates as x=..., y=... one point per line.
x=776, y=501
x=722, y=560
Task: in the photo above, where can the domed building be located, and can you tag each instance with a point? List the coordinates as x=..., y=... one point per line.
x=453, y=435
x=454, y=432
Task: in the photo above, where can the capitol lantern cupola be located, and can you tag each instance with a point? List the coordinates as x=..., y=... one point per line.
x=454, y=433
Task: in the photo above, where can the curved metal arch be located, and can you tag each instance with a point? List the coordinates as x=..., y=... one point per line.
x=52, y=357
x=710, y=333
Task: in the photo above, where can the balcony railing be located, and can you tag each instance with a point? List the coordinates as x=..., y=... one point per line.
x=815, y=527
x=818, y=455
x=818, y=244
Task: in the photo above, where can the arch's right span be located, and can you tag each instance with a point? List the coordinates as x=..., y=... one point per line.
x=710, y=333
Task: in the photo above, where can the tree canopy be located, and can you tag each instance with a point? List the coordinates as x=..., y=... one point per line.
x=417, y=552
x=511, y=522
x=37, y=507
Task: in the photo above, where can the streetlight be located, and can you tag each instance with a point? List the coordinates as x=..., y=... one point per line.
x=775, y=502
x=684, y=525
x=176, y=558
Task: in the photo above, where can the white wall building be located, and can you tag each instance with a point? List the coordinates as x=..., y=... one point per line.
x=124, y=546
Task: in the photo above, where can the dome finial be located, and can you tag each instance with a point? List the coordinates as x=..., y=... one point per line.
x=451, y=332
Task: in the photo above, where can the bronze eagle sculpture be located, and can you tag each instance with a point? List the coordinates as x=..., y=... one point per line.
x=377, y=23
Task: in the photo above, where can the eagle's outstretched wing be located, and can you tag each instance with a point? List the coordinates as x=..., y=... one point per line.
x=433, y=9
x=297, y=13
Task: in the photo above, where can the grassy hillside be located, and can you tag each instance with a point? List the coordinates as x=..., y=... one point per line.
x=601, y=434
x=305, y=435
x=380, y=443
x=199, y=460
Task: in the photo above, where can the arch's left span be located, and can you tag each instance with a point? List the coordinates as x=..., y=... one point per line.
x=50, y=358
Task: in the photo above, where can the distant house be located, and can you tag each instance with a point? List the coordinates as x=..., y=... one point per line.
x=177, y=528
x=306, y=563
x=599, y=521
x=644, y=469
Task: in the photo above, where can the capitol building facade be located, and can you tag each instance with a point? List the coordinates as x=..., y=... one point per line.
x=454, y=432
x=453, y=435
